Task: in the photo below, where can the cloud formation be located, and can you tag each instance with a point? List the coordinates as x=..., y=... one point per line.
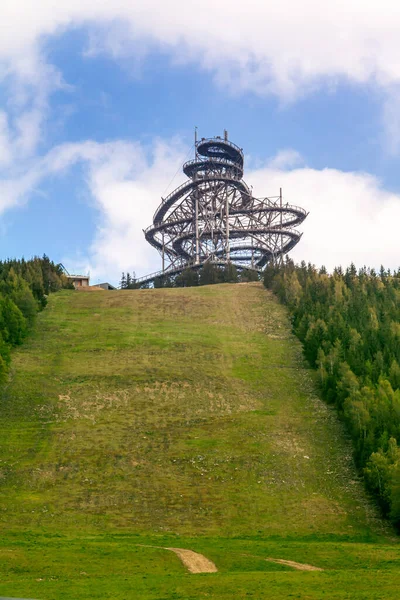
x=125, y=184
x=352, y=217
x=283, y=48
x=286, y=49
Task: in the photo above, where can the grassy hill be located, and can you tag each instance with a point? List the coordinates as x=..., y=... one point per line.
x=138, y=421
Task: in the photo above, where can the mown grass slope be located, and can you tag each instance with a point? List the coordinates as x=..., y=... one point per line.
x=140, y=420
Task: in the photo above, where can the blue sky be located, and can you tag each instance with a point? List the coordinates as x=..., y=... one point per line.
x=98, y=108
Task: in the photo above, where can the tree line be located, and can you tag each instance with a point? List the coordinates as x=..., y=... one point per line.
x=24, y=287
x=349, y=324
x=209, y=274
x=128, y=282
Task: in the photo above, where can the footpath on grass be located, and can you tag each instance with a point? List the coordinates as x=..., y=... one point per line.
x=171, y=443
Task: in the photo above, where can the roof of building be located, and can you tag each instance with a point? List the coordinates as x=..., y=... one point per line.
x=110, y=287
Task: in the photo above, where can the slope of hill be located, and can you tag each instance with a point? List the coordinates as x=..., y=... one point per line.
x=140, y=421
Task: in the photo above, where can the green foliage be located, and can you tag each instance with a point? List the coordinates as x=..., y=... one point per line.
x=230, y=274
x=14, y=323
x=128, y=282
x=209, y=274
x=188, y=278
x=24, y=286
x=394, y=500
x=248, y=275
x=349, y=323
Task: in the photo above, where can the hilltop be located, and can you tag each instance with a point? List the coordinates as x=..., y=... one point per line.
x=141, y=420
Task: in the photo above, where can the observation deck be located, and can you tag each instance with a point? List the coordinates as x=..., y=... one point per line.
x=213, y=216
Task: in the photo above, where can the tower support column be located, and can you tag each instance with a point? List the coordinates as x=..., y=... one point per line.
x=196, y=226
x=227, y=242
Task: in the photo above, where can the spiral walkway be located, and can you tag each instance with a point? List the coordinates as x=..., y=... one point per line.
x=214, y=216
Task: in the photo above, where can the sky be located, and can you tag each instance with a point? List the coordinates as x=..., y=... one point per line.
x=99, y=101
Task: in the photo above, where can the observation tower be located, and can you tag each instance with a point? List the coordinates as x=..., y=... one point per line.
x=214, y=217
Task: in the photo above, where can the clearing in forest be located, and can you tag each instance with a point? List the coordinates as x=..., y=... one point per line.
x=145, y=420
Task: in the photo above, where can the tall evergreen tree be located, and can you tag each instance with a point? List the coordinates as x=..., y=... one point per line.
x=122, y=283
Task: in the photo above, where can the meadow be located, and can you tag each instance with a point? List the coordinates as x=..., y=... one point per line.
x=136, y=421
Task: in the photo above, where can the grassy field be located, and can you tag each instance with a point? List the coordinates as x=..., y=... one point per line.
x=137, y=421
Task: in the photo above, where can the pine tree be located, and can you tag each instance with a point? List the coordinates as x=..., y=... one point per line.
x=209, y=274
x=230, y=274
x=394, y=374
x=395, y=494
x=248, y=275
x=188, y=278
x=133, y=284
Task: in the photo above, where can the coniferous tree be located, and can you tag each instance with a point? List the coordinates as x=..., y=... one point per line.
x=248, y=275
x=209, y=274
x=230, y=274
x=188, y=278
x=159, y=282
x=394, y=500
x=133, y=284
x=122, y=283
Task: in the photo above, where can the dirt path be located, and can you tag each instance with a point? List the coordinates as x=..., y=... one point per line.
x=295, y=565
x=195, y=562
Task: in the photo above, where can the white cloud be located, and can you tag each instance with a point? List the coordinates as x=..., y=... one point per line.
x=285, y=48
x=125, y=184
x=5, y=151
x=127, y=188
x=286, y=159
x=352, y=217
x=391, y=119
x=282, y=48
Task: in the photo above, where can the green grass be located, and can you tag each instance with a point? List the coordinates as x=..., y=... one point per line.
x=182, y=418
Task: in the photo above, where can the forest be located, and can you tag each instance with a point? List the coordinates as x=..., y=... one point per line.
x=349, y=325
x=24, y=287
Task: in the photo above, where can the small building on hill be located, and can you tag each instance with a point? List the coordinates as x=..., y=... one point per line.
x=104, y=286
x=79, y=281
